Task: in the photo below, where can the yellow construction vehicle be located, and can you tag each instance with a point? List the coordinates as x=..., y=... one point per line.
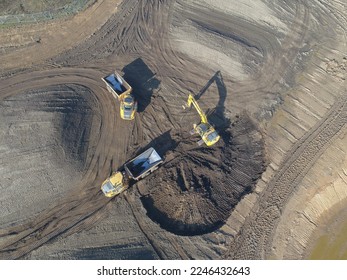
x=114, y=185
x=207, y=132
x=128, y=107
x=122, y=91
x=135, y=169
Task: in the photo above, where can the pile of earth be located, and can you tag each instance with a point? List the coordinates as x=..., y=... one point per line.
x=197, y=188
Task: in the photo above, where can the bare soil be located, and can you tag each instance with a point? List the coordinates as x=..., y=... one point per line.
x=270, y=76
x=202, y=185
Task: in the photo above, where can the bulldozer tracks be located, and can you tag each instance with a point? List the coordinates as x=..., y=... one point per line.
x=146, y=29
x=83, y=204
x=255, y=239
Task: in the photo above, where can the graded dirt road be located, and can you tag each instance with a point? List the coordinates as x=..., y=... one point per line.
x=270, y=74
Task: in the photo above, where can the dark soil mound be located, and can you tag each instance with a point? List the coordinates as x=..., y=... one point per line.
x=46, y=136
x=55, y=118
x=196, y=191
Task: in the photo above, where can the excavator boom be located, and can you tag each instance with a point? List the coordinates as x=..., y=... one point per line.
x=207, y=132
x=191, y=100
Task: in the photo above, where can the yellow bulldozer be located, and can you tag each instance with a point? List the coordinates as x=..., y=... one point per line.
x=208, y=134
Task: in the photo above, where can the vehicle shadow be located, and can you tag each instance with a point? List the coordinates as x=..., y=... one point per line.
x=163, y=144
x=142, y=80
x=217, y=115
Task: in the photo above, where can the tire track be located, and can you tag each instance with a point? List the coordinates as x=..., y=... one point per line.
x=142, y=28
x=255, y=238
x=54, y=37
x=84, y=204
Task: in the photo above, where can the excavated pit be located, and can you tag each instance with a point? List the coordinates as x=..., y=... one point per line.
x=197, y=188
x=50, y=128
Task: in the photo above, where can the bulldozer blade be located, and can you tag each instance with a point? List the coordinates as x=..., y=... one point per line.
x=200, y=142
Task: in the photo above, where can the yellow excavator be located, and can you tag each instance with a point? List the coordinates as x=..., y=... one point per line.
x=207, y=132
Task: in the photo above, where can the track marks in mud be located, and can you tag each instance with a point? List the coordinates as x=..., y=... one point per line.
x=256, y=47
x=83, y=203
x=44, y=142
x=198, y=187
x=142, y=28
x=37, y=43
x=257, y=233
x=131, y=31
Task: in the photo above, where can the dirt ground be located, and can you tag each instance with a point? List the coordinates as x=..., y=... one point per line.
x=271, y=76
x=10, y=7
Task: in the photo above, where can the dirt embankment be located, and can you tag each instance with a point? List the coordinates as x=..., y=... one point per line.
x=270, y=59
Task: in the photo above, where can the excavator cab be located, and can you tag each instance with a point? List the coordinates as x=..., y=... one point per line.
x=128, y=107
x=208, y=134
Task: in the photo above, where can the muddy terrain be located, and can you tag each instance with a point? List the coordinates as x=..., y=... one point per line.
x=271, y=77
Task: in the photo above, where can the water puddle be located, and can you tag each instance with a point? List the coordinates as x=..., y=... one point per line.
x=332, y=245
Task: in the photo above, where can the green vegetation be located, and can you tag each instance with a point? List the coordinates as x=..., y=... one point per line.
x=332, y=246
x=13, y=12
x=15, y=7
